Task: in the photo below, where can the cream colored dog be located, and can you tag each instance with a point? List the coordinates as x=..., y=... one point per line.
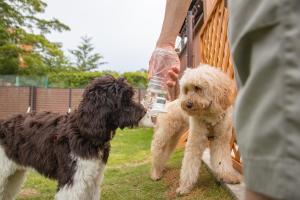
x=205, y=106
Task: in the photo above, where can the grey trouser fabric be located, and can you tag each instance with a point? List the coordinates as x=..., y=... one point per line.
x=265, y=42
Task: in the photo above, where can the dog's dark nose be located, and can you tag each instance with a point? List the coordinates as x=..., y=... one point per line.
x=189, y=104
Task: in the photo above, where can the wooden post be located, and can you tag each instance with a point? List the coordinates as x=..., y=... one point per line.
x=70, y=100
x=32, y=99
x=190, y=30
x=29, y=100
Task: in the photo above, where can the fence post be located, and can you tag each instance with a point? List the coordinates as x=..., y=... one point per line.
x=190, y=30
x=46, y=82
x=70, y=100
x=29, y=100
x=32, y=99
x=17, y=81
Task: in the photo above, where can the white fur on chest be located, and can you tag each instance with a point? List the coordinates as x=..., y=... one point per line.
x=6, y=164
x=86, y=181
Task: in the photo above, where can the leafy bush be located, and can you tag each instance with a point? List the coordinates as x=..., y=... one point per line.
x=77, y=79
x=71, y=79
x=137, y=79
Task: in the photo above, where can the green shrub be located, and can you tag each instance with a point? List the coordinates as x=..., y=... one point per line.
x=137, y=79
x=77, y=79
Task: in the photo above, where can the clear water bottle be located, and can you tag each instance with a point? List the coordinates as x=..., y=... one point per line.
x=156, y=96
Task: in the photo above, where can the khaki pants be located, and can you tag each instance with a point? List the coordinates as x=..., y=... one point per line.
x=265, y=43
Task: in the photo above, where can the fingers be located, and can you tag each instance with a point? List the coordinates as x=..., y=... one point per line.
x=173, y=75
x=176, y=69
x=171, y=84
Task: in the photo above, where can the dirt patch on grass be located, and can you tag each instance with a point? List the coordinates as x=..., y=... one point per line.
x=206, y=187
x=28, y=193
x=171, y=179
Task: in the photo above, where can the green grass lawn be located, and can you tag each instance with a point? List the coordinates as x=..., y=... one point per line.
x=127, y=175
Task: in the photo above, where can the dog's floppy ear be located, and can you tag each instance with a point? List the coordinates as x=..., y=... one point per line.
x=184, y=80
x=124, y=91
x=91, y=114
x=96, y=106
x=227, y=93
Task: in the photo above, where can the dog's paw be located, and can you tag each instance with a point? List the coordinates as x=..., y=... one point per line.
x=181, y=191
x=230, y=178
x=155, y=175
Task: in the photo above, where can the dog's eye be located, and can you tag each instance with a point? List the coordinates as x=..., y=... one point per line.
x=185, y=90
x=197, y=88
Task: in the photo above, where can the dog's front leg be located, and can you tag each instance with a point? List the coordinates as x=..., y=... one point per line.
x=220, y=155
x=196, y=144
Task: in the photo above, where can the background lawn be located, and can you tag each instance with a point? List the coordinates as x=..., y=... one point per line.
x=127, y=175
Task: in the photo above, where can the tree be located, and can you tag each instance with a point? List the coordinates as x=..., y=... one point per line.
x=86, y=60
x=21, y=25
x=137, y=79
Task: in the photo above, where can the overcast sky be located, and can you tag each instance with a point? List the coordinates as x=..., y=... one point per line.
x=123, y=31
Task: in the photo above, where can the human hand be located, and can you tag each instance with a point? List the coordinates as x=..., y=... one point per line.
x=165, y=64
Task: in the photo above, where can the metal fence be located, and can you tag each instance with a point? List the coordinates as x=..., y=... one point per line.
x=21, y=81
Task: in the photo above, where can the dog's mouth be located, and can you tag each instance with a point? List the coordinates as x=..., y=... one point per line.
x=192, y=111
x=207, y=107
x=196, y=109
x=132, y=119
x=140, y=115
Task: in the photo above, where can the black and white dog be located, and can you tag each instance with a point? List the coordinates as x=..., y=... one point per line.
x=71, y=148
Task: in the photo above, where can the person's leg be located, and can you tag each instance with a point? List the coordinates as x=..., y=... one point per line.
x=266, y=50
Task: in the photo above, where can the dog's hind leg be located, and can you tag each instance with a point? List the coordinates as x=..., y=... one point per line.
x=163, y=144
x=169, y=127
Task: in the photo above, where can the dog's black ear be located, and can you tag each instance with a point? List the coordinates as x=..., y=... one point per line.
x=122, y=79
x=97, y=106
x=124, y=92
x=130, y=112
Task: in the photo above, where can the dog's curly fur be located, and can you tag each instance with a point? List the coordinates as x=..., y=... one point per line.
x=72, y=148
x=169, y=127
x=206, y=98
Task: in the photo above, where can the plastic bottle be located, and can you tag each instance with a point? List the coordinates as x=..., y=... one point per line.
x=156, y=95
